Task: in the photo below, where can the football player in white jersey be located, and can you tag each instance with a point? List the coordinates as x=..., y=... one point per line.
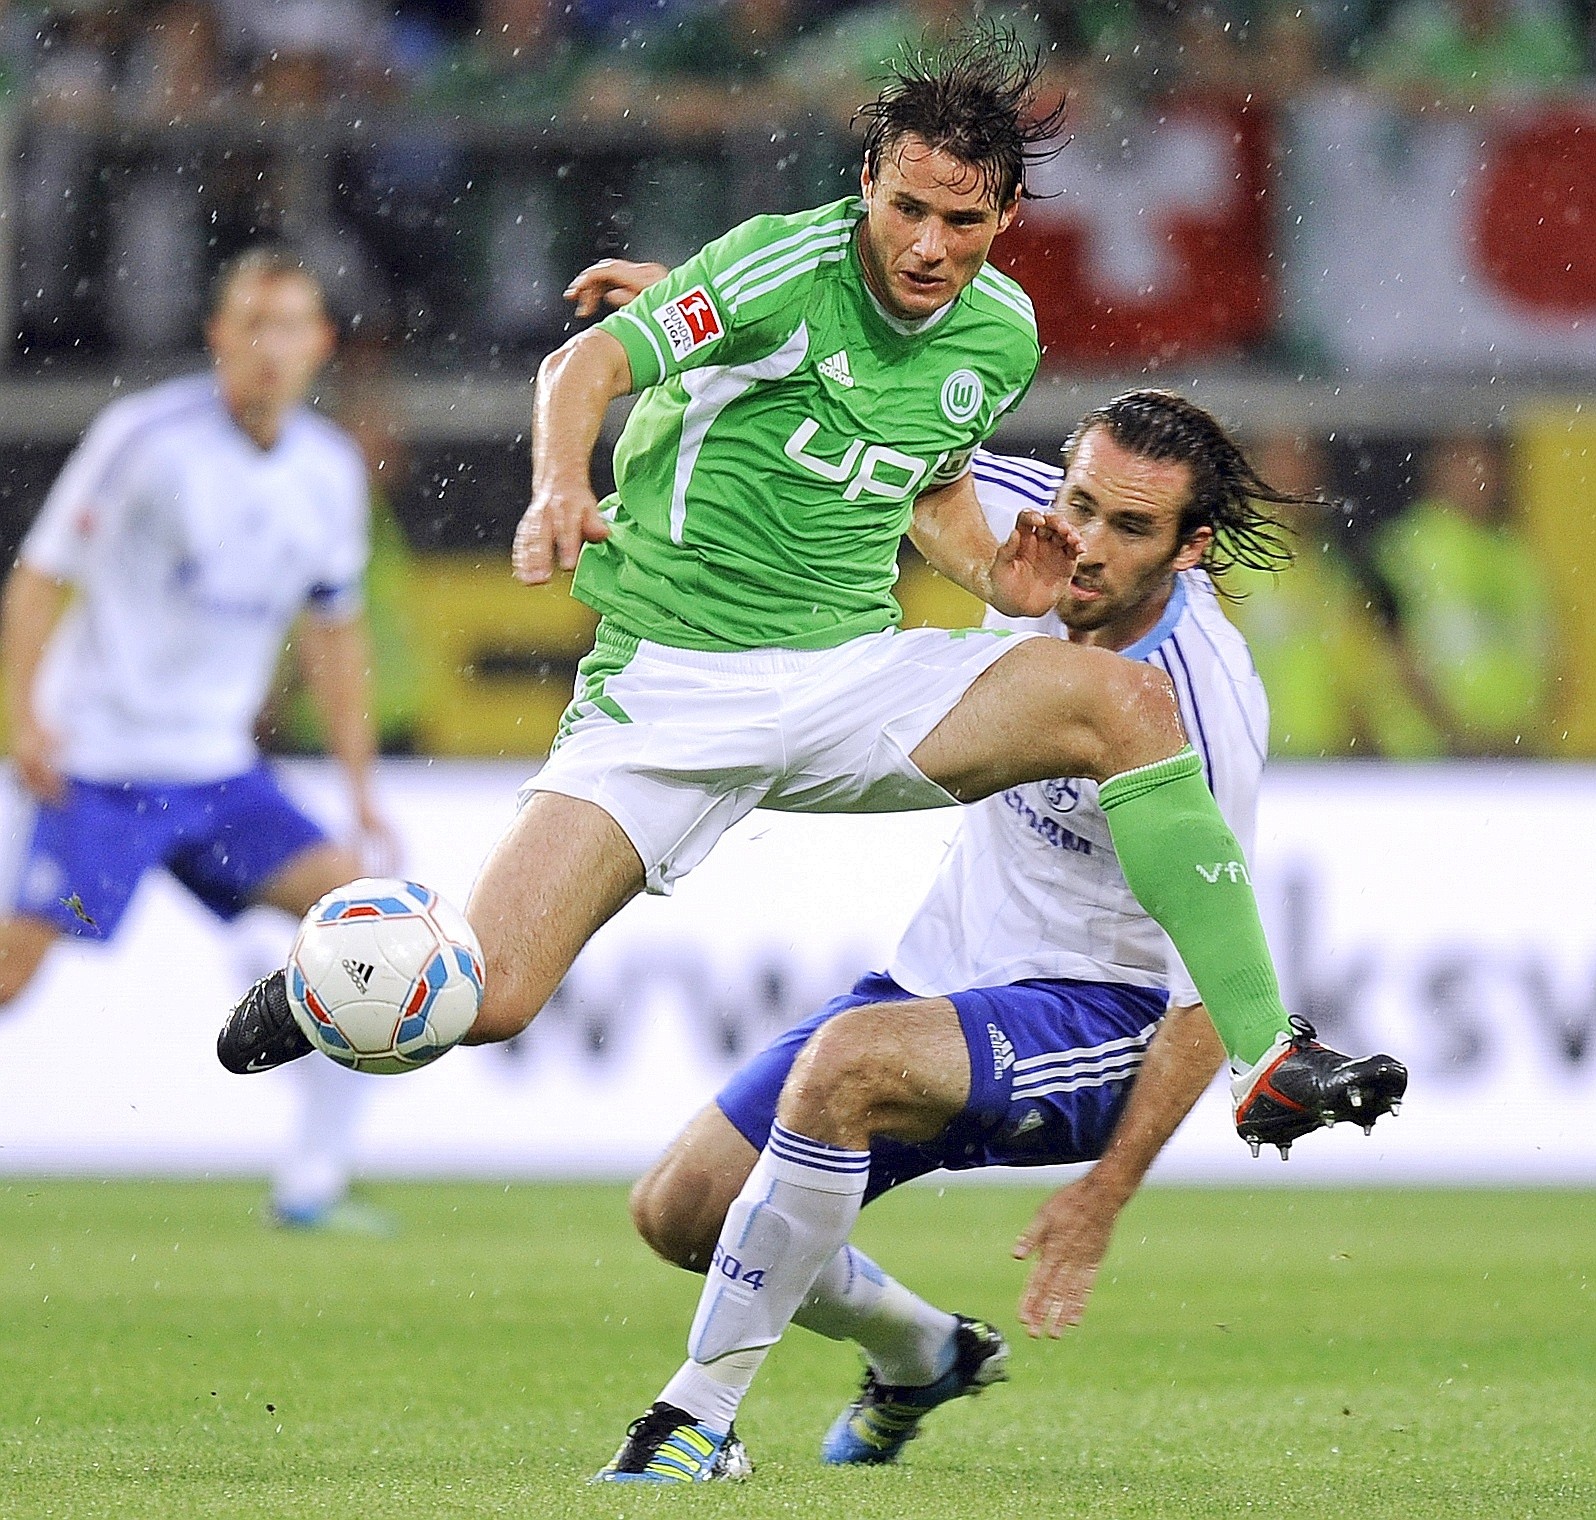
x=1005, y=1032
x=140, y=630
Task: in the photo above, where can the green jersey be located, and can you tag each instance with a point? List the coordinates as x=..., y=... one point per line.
x=787, y=423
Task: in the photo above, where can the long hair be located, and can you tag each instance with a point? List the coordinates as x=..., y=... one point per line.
x=1227, y=493
x=971, y=98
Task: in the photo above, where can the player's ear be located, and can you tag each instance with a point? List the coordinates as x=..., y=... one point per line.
x=1191, y=551
x=865, y=181
x=327, y=339
x=1006, y=214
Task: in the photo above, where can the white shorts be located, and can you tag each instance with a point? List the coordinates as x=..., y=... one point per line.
x=677, y=744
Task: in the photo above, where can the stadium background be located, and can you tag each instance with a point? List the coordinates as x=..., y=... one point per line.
x=1360, y=233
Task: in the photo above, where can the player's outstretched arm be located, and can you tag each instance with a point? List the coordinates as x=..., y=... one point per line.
x=31, y=607
x=1069, y=1236
x=1022, y=577
x=575, y=386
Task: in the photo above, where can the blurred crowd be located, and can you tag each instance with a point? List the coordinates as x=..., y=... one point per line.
x=446, y=166
x=1429, y=631
x=418, y=147
x=693, y=65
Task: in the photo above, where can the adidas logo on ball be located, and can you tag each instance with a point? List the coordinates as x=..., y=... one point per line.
x=360, y=973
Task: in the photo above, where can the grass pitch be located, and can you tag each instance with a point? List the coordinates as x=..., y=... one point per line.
x=1394, y=1354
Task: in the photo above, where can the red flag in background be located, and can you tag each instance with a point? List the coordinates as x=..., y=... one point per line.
x=1149, y=240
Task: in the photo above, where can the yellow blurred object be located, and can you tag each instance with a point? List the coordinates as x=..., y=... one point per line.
x=500, y=656
x=1555, y=486
x=930, y=600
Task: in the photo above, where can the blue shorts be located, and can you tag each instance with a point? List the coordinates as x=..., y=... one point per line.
x=224, y=840
x=1051, y=1065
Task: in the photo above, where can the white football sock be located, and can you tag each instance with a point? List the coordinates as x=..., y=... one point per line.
x=907, y=1341
x=313, y=1173
x=796, y=1209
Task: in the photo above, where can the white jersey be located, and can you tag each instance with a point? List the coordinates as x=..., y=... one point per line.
x=191, y=550
x=1031, y=887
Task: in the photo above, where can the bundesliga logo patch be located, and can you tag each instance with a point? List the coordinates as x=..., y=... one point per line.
x=690, y=322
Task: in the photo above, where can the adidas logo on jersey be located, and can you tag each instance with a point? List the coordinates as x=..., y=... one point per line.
x=1002, y=1050
x=359, y=973
x=836, y=368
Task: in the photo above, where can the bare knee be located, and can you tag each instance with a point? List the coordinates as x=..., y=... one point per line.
x=840, y=1090
x=671, y=1211
x=1133, y=718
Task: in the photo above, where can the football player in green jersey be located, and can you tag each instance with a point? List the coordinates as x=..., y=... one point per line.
x=813, y=387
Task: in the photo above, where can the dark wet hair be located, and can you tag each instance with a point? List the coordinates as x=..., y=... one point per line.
x=269, y=260
x=971, y=98
x=1227, y=494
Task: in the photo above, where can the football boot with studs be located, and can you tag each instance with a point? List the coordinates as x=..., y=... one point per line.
x=1298, y=1086
x=667, y=1445
x=884, y=1419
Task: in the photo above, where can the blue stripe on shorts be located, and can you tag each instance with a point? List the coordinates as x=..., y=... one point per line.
x=1051, y=1065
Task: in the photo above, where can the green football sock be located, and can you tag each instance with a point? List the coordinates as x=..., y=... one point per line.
x=1186, y=869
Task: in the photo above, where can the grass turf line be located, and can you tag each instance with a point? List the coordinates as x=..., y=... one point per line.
x=1387, y=1354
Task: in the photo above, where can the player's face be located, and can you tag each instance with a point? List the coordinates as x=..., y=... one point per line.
x=269, y=336
x=929, y=224
x=1127, y=511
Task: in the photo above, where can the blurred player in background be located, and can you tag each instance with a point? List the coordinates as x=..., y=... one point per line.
x=1033, y=1013
x=140, y=630
x=814, y=386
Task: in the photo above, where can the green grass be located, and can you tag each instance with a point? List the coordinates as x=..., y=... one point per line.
x=1394, y=1355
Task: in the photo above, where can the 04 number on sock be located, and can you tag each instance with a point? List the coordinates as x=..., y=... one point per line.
x=732, y=1270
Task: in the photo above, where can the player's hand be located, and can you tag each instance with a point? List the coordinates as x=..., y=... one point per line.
x=34, y=749
x=552, y=531
x=1067, y=1239
x=1034, y=565
x=612, y=283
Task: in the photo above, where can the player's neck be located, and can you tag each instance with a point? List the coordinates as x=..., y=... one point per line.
x=1130, y=629
x=261, y=422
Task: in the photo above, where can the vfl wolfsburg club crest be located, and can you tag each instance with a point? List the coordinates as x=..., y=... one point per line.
x=962, y=395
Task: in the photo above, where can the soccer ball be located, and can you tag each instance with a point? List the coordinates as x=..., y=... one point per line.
x=384, y=975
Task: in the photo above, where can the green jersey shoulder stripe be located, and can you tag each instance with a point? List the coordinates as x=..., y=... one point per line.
x=768, y=276
x=1005, y=282
x=1006, y=293
x=823, y=255
x=751, y=267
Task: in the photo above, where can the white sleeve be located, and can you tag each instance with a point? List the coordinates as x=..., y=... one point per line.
x=338, y=592
x=87, y=493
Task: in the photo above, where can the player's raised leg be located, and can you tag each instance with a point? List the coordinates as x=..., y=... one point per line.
x=563, y=868
x=560, y=870
x=1049, y=708
x=1052, y=708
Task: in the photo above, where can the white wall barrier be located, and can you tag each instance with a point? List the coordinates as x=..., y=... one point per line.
x=1442, y=913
